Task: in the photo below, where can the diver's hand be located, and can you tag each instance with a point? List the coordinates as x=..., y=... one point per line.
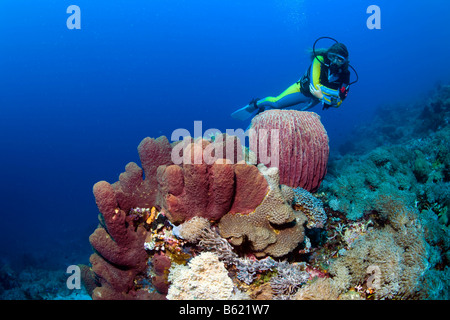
x=315, y=92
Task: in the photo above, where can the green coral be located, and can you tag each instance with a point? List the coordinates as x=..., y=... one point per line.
x=359, y=182
x=422, y=167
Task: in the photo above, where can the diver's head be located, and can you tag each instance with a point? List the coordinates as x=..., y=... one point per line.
x=336, y=59
x=337, y=54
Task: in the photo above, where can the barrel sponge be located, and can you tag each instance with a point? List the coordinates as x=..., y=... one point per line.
x=302, y=151
x=271, y=228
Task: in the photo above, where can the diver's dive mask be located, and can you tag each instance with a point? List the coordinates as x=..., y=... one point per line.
x=336, y=59
x=337, y=65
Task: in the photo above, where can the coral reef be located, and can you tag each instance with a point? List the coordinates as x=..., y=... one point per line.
x=395, y=189
x=247, y=270
x=285, y=278
x=400, y=123
x=356, y=184
x=132, y=230
x=302, y=153
x=220, y=225
x=210, y=240
x=320, y=289
x=413, y=165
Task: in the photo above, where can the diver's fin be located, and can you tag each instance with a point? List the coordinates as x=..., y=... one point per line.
x=243, y=113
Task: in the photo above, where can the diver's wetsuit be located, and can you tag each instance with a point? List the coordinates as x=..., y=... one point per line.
x=299, y=97
x=291, y=97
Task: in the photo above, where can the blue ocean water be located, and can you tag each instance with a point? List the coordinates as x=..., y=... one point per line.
x=75, y=103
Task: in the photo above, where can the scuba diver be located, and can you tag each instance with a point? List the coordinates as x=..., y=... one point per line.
x=327, y=80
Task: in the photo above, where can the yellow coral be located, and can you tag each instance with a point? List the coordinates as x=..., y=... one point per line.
x=152, y=216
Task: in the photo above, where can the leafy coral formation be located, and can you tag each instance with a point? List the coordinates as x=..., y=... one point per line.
x=271, y=229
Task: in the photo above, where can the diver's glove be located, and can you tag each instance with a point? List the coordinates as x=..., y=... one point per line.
x=317, y=93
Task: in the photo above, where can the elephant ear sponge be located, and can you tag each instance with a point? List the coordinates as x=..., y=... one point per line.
x=294, y=141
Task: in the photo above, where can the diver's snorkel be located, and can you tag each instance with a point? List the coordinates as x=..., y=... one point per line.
x=339, y=61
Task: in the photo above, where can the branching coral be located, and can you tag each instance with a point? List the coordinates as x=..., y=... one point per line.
x=288, y=279
x=247, y=268
x=212, y=241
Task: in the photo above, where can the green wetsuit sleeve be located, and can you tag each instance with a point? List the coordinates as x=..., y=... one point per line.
x=316, y=68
